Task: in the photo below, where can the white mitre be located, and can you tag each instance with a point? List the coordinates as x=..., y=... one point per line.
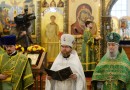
x=67, y=39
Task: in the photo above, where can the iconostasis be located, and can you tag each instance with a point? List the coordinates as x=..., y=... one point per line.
x=53, y=17
x=81, y=11
x=52, y=22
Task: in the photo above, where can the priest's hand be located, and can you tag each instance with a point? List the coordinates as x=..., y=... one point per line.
x=3, y=77
x=49, y=77
x=73, y=76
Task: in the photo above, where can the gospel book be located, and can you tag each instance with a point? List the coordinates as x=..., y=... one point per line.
x=60, y=75
x=34, y=58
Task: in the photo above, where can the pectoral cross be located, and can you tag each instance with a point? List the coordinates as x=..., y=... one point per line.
x=110, y=80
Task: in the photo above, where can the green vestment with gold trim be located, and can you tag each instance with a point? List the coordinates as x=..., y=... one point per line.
x=115, y=73
x=1, y=50
x=87, y=57
x=19, y=70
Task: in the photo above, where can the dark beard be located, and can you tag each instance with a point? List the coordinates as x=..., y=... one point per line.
x=65, y=54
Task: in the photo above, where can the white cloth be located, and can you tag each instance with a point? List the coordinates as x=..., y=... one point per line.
x=74, y=63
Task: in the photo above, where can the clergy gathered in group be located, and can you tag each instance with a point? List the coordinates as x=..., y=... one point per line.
x=111, y=73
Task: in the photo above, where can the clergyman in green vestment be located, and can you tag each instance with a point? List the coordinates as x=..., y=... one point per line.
x=87, y=48
x=113, y=70
x=15, y=69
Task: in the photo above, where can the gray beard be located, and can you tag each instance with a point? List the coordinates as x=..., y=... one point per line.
x=112, y=55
